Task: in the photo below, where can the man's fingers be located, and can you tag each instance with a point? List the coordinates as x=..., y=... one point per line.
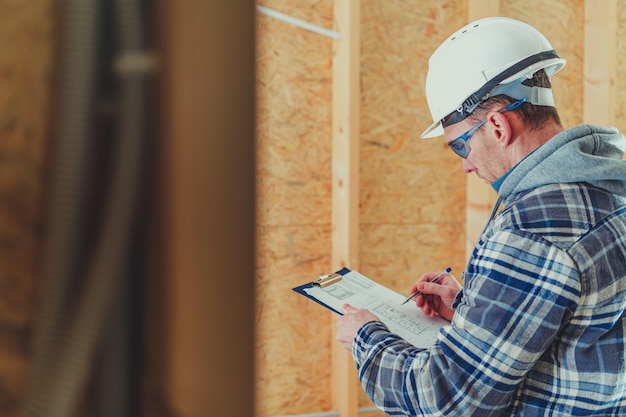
x=432, y=288
x=347, y=308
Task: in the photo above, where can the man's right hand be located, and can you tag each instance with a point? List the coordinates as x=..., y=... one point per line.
x=436, y=298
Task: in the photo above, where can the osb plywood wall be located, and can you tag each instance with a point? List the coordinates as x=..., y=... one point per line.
x=412, y=201
x=294, y=150
x=26, y=48
x=405, y=181
x=620, y=76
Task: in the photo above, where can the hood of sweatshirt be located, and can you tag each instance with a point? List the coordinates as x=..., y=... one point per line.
x=584, y=153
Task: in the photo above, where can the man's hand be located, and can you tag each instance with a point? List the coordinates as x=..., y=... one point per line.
x=436, y=298
x=350, y=323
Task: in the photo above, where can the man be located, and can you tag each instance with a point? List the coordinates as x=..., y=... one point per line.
x=539, y=326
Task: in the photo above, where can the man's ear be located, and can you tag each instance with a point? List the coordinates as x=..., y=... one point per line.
x=502, y=129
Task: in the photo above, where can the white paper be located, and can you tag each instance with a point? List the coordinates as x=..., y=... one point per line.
x=406, y=320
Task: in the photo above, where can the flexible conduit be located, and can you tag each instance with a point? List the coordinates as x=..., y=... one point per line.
x=65, y=207
x=71, y=323
x=116, y=383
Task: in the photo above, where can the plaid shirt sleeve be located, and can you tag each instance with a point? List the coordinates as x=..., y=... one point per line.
x=519, y=291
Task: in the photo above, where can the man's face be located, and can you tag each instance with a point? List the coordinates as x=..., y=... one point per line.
x=485, y=158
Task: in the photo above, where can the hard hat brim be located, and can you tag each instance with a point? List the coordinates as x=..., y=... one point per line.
x=433, y=131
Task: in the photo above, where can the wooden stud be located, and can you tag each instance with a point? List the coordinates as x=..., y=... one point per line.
x=345, y=180
x=209, y=220
x=477, y=9
x=600, y=61
x=345, y=160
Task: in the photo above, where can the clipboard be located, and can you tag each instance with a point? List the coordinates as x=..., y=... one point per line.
x=346, y=286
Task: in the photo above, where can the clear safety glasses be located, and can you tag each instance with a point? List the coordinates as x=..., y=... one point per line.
x=460, y=145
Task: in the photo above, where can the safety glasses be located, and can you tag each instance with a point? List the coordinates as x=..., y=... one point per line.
x=460, y=145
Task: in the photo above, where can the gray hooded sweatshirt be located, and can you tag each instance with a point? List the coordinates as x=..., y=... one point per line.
x=584, y=154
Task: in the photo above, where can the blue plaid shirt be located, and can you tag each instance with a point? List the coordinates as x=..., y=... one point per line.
x=539, y=327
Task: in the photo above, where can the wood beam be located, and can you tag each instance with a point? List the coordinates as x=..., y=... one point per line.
x=345, y=181
x=600, y=61
x=207, y=116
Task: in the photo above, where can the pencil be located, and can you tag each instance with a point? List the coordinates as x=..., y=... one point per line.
x=437, y=278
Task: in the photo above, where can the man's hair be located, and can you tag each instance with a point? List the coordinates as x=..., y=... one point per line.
x=532, y=115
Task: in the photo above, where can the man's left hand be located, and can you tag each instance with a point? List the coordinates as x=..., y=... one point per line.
x=350, y=323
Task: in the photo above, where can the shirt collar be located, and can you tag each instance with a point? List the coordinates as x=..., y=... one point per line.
x=498, y=183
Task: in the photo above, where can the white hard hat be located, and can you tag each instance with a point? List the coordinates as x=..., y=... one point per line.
x=487, y=57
